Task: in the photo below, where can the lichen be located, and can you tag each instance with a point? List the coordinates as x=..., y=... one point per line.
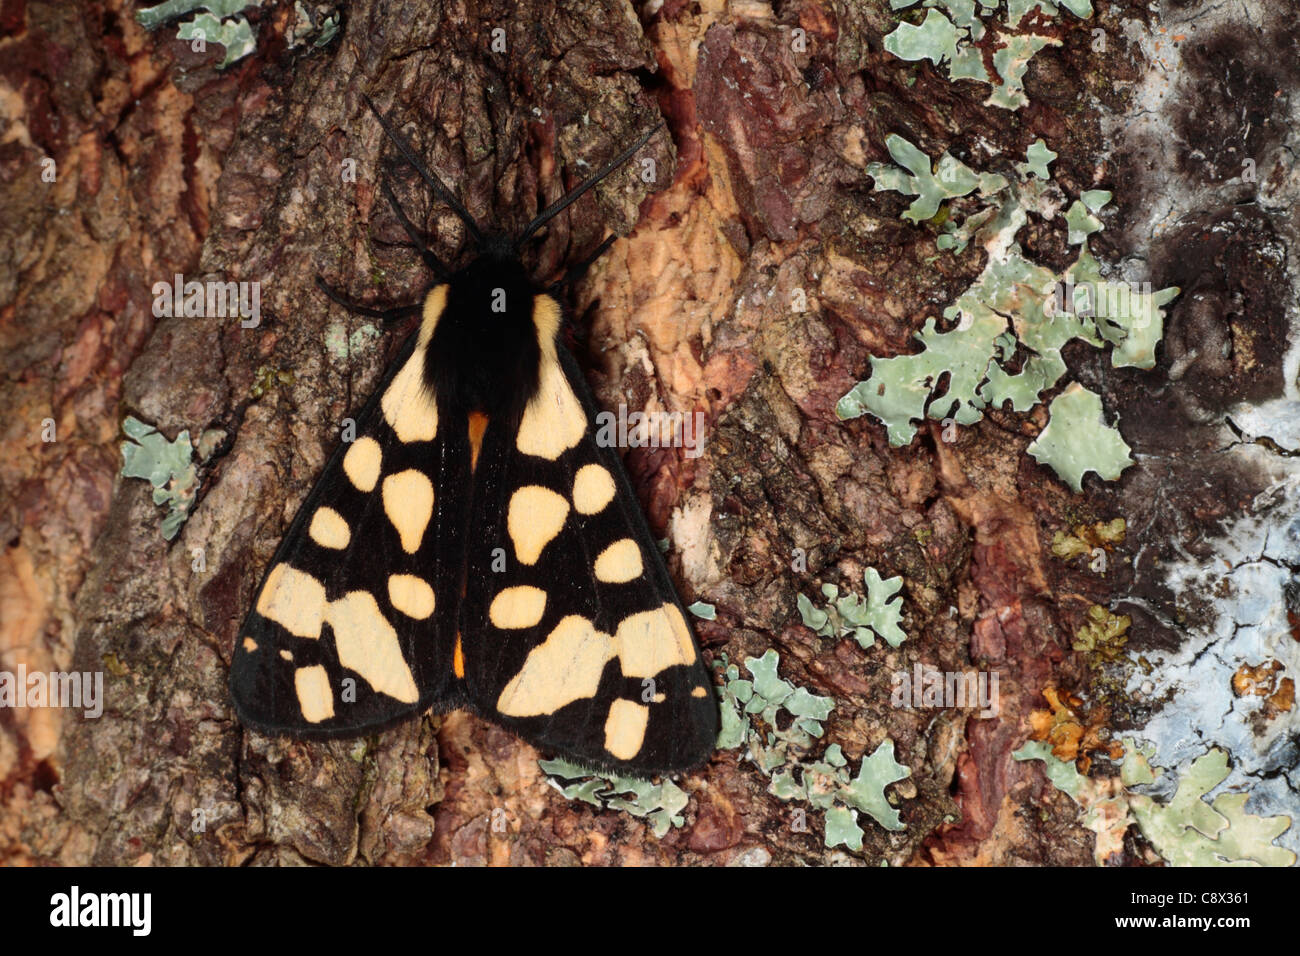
x=751, y=716
x=218, y=25
x=167, y=466
x=950, y=179
x=1103, y=637
x=342, y=346
x=952, y=32
x=1004, y=335
x=876, y=615
x=1086, y=538
x=1078, y=440
x=703, y=610
x=268, y=377
x=1188, y=830
x=659, y=803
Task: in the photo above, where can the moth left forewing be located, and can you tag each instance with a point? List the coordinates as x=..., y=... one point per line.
x=573, y=635
x=353, y=626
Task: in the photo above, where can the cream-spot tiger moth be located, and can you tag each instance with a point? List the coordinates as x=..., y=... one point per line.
x=382, y=601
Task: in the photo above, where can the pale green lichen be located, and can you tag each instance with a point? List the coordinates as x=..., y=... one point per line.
x=935, y=39
x=1186, y=831
x=1016, y=311
x=1080, y=223
x=167, y=466
x=151, y=18
x=842, y=828
x=218, y=25
x=876, y=615
x=235, y=36
x=825, y=784
x=342, y=346
x=1037, y=158
x=704, y=611
x=913, y=176
x=952, y=29
x=1078, y=440
x=1136, y=768
x=661, y=804
x=867, y=790
x=767, y=695
x=1061, y=773
x=1132, y=321
x=307, y=27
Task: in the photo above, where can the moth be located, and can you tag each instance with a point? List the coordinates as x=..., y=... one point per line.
x=475, y=547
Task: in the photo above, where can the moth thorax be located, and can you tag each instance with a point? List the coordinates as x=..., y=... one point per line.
x=484, y=353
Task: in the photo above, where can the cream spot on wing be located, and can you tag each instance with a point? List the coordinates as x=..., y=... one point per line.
x=625, y=728
x=329, y=530
x=593, y=489
x=287, y=655
x=293, y=599
x=361, y=463
x=367, y=644
x=250, y=645
x=517, y=607
x=654, y=640
x=409, y=407
x=314, y=696
x=536, y=516
x=619, y=563
x=554, y=420
x=408, y=502
x=699, y=692
x=563, y=668
x=410, y=595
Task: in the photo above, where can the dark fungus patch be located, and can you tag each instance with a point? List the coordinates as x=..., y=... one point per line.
x=1232, y=102
x=1227, y=333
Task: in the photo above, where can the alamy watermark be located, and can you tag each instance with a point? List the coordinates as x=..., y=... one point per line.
x=211, y=299
x=76, y=689
x=75, y=909
x=651, y=430
x=1130, y=302
x=925, y=687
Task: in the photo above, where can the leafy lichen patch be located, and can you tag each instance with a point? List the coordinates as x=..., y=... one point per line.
x=1015, y=308
x=751, y=717
x=866, y=618
x=167, y=466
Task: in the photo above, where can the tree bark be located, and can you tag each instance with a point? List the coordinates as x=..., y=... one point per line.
x=167, y=165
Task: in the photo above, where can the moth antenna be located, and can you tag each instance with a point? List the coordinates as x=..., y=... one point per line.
x=430, y=179
x=433, y=262
x=555, y=208
x=386, y=315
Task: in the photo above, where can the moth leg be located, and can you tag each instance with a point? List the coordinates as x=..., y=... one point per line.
x=430, y=260
x=579, y=269
x=387, y=315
